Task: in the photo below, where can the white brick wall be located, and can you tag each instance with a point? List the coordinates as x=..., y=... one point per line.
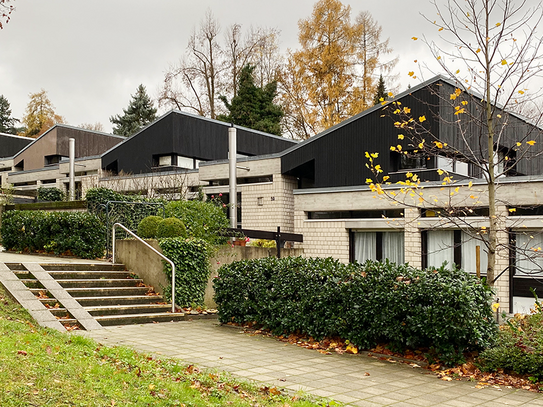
x=277, y=207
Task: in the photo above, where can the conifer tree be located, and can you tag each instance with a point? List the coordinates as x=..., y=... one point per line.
x=139, y=113
x=253, y=107
x=381, y=92
x=6, y=121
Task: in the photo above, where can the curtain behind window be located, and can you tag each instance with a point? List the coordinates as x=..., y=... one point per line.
x=393, y=247
x=529, y=252
x=365, y=246
x=468, y=254
x=440, y=247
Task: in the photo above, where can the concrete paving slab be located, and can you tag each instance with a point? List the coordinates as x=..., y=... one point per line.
x=335, y=376
x=13, y=257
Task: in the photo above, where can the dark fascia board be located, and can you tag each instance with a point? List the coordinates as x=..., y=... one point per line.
x=242, y=159
x=194, y=116
x=90, y=157
x=435, y=79
x=66, y=126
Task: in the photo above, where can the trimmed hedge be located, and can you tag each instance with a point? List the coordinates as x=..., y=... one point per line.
x=203, y=219
x=80, y=234
x=50, y=194
x=171, y=227
x=148, y=227
x=191, y=259
x=447, y=311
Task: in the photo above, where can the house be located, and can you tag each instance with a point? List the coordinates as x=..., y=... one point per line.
x=9, y=146
x=44, y=161
x=319, y=187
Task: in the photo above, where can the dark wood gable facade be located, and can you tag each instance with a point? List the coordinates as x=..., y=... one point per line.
x=180, y=140
x=336, y=157
x=11, y=145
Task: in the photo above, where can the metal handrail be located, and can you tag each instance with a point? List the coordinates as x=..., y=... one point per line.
x=150, y=247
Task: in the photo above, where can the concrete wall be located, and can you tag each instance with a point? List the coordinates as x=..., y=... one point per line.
x=149, y=267
x=142, y=261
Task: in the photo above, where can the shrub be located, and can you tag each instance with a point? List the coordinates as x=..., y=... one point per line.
x=447, y=311
x=147, y=228
x=203, y=219
x=80, y=234
x=170, y=227
x=50, y=194
x=519, y=347
x=191, y=259
x=269, y=244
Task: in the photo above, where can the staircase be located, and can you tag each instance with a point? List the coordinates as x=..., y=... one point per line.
x=108, y=292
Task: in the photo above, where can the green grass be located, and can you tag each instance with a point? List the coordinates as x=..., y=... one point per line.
x=42, y=367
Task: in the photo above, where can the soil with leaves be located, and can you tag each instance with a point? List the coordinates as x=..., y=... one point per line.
x=42, y=367
x=418, y=358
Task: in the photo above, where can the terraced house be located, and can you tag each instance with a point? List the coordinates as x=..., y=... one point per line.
x=319, y=187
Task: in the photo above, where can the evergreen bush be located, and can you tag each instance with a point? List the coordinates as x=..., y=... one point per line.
x=191, y=259
x=147, y=229
x=203, y=219
x=447, y=311
x=76, y=233
x=170, y=227
x=50, y=194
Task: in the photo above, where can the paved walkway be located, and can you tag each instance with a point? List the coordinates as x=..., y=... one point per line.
x=356, y=380
x=11, y=257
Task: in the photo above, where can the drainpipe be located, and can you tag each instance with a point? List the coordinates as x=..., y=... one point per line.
x=72, y=170
x=232, y=152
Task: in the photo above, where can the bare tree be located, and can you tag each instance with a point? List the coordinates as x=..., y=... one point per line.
x=496, y=42
x=92, y=126
x=5, y=12
x=194, y=83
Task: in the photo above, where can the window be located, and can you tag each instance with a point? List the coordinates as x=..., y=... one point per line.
x=440, y=247
x=454, y=247
x=529, y=252
x=378, y=246
x=469, y=257
x=53, y=159
x=452, y=165
x=185, y=162
x=164, y=160
x=409, y=162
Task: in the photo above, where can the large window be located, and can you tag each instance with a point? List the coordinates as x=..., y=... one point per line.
x=440, y=247
x=455, y=247
x=378, y=246
x=529, y=252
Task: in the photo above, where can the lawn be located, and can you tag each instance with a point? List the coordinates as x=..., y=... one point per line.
x=42, y=367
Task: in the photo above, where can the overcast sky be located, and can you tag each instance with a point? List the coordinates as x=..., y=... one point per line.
x=90, y=56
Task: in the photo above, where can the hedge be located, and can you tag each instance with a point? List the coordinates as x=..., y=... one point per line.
x=203, y=219
x=191, y=259
x=447, y=311
x=76, y=233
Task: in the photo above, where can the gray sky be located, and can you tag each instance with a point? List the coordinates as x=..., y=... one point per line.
x=90, y=56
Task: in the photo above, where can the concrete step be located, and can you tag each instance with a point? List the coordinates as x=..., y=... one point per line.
x=104, y=310
x=106, y=292
x=89, y=274
x=83, y=267
x=119, y=300
x=31, y=283
x=139, y=318
x=101, y=283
